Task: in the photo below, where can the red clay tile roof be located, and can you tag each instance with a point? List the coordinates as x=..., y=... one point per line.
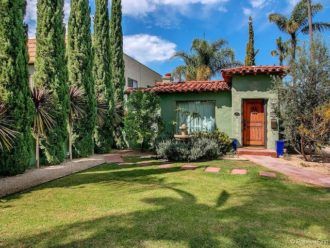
x=228, y=74
x=190, y=86
x=32, y=45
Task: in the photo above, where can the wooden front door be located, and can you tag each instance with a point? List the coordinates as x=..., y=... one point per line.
x=253, y=123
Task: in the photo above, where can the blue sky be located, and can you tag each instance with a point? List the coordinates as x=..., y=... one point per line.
x=155, y=29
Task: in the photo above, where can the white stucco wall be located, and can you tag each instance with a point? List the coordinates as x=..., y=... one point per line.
x=31, y=72
x=133, y=69
x=140, y=73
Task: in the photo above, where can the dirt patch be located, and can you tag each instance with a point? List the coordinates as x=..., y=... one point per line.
x=298, y=161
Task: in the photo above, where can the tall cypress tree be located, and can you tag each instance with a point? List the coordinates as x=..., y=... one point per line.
x=102, y=75
x=14, y=85
x=118, y=70
x=51, y=73
x=250, y=58
x=80, y=65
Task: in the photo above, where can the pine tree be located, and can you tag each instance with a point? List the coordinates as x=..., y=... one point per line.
x=102, y=76
x=250, y=58
x=51, y=73
x=14, y=85
x=80, y=66
x=117, y=70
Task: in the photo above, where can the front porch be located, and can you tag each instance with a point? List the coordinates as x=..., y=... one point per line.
x=255, y=151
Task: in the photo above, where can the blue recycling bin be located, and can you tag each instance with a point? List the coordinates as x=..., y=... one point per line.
x=235, y=144
x=280, y=148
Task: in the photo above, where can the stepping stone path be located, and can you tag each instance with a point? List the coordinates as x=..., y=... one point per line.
x=267, y=174
x=189, y=167
x=165, y=166
x=212, y=169
x=239, y=172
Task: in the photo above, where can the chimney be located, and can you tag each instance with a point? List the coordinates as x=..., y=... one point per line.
x=167, y=78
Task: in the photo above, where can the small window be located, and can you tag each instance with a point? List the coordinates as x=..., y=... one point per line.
x=131, y=83
x=197, y=115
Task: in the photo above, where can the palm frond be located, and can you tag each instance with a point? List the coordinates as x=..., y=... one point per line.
x=180, y=72
x=7, y=134
x=280, y=20
x=274, y=53
x=208, y=56
x=219, y=44
x=187, y=58
x=319, y=26
x=77, y=103
x=300, y=13
x=43, y=108
x=102, y=110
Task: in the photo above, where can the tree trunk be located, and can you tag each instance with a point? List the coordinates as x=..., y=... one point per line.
x=70, y=140
x=37, y=151
x=293, y=47
x=302, y=148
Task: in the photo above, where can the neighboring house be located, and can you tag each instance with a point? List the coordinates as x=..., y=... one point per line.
x=137, y=75
x=242, y=105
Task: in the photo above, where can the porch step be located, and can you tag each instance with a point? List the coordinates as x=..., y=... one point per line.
x=256, y=152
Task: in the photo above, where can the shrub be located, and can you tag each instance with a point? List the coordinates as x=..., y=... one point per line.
x=204, y=149
x=302, y=99
x=192, y=150
x=222, y=139
x=173, y=150
x=142, y=121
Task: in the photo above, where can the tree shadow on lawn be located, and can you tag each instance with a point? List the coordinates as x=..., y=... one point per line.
x=102, y=174
x=137, y=175
x=182, y=221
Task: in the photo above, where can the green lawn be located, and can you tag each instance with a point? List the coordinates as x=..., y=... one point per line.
x=130, y=206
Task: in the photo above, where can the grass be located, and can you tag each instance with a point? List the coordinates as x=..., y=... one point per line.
x=130, y=206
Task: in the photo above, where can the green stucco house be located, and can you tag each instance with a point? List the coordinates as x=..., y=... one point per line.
x=241, y=105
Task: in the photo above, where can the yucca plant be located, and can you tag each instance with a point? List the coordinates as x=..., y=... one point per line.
x=102, y=109
x=43, y=119
x=76, y=107
x=7, y=135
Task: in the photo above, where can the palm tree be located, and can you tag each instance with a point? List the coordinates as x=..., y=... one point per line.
x=43, y=119
x=310, y=27
x=298, y=22
x=281, y=50
x=7, y=135
x=76, y=111
x=206, y=59
x=179, y=73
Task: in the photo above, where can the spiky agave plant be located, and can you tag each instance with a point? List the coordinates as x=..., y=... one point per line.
x=76, y=111
x=43, y=118
x=7, y=135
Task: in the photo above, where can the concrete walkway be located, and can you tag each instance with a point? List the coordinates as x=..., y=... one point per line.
x=34, y=177
x=295, y=173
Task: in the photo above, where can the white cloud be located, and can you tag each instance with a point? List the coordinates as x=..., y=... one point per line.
x=293, y=3
x=257, y=3
x=148, y=48
x=143, y=7
x=247, y=11
x=31, y=15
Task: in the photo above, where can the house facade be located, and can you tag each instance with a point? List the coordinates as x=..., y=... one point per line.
x=242, y=105
x=137, y=75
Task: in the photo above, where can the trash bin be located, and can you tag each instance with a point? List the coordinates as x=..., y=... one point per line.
x=235, y=144
x=280, y=148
